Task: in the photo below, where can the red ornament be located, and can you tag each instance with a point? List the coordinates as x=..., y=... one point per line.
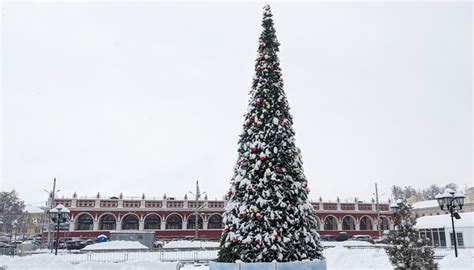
x=258, y=125
x=250, y=189
x=305, y=186
x=259, y=217
x=262, y=157
x=226, y=230
x=257, y=241
x=278, y=169
x=285, y=123
x=258, y=101
x=261, y=45
x=229, y=193
x=244, y=215
x=254, y=149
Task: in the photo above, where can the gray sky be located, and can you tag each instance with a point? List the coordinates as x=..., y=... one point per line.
x=149, y=97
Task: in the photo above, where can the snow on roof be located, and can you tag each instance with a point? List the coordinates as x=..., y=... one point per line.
x=444, y=221
x=425, y=204
x=116, y=245
x=33, y=209
x=191, y=244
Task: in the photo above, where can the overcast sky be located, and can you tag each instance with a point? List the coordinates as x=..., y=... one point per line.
x=149, y=97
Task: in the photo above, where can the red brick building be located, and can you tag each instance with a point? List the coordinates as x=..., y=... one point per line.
x=171, y=218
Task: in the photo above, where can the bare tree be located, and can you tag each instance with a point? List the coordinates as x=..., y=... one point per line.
x=11, y=210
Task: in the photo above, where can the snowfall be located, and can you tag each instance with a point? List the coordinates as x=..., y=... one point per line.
x=340, y=256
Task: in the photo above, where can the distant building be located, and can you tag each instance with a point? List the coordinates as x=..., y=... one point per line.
x=438, y=229
x=431, y=207
x=170, y=218
x=31, y=222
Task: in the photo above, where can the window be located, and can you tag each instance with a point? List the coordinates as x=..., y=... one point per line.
x=84, y=223
x=174, y=222
x=130, y=222
x=436, y=237
x=330, y=223
x=152, y=222
x=192, y=222
x=215, y=222
x=366, y=224
x=107, y=222
x=442, y=237
x=459, y=238
x=348, y=223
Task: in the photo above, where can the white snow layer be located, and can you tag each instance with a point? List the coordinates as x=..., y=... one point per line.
x=444, y=221
x=337, y=258
x=116, y=245
x=191, y=244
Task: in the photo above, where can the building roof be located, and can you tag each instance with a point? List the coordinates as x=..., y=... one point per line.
x=425, y=204
x=33, y=209
x=444, y=221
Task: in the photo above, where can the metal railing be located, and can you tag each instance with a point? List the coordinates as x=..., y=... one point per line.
x=202, y=256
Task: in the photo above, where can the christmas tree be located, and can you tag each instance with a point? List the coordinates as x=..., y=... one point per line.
x=268, y=216
x=407, y=249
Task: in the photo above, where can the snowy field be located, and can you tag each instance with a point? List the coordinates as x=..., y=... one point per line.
x=337, y=258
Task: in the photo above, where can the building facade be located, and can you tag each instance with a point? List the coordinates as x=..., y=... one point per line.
x=438, y=229
x=171, y=218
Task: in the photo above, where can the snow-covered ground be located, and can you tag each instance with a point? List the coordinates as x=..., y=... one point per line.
x=337, y=258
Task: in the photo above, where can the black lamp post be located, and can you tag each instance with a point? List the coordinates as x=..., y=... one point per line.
x=59, y=215
x=451, y=201
x=395, y=206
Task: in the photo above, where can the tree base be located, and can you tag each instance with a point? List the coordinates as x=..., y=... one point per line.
x=299, y=265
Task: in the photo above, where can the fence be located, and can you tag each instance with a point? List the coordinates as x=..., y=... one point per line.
x=123, y=256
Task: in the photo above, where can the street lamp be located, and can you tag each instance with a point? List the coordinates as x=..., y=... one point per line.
x=451, y=201
x=395, y=206
x=58, y=214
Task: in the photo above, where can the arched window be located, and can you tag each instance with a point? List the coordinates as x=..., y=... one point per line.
x=215, y=222
x=348, y=223
x=107, y=222
x=174, y=222
x=130, y=222
x=384, y=225
x=365, y=224
x=84, y=222
x=330, y=223
x=192, y=222
x=152, y=222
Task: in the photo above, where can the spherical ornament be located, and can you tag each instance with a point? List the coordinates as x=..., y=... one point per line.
x=254, y=149
x=285, y=123
x=304, y=186
x=229, y=193
x=258, y=101
x=262, y=157
x=244, y=215
x=258, y=125
x=278, y=169
x=250, y=189
x=259, y=217
x=226, y=230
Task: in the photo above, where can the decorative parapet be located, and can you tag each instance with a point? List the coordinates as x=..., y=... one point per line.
x=140, y=203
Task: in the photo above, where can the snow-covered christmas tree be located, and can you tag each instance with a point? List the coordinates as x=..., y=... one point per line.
x=407, y=249
x=268, y=216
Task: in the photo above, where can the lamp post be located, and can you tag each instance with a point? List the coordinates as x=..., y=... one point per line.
x=452, y=202
x=58, y=214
